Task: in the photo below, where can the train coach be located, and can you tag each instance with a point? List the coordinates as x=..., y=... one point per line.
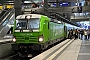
x=36, y=32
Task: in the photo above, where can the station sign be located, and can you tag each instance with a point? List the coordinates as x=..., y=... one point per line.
x=63, y=4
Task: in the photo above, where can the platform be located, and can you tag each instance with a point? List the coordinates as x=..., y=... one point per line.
x=74, y=50
x=5, y=46
x=84, y=53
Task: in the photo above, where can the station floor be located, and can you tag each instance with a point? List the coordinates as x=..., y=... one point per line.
x=84, y=53
x=76, y=50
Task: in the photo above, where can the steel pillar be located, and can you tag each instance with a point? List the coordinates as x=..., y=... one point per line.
x=46, y=7
x=57, y=5
x=45, y=3
x=18, y=7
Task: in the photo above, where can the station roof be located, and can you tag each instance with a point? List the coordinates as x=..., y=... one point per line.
x=56, y=9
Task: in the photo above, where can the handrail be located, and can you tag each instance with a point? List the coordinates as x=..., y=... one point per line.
x=4, y=14
x=0, y=11
x=8, y=16
x=5, y=22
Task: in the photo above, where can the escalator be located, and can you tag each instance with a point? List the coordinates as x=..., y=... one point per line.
x=6, y=23
x=4, y=13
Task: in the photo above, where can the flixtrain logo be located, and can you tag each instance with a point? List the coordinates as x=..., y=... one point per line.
x=26, y=34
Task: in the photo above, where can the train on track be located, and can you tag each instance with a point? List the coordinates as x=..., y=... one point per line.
x=36, y=32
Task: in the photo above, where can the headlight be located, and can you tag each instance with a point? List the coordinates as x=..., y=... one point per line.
x=41, y=39
x=14, y=40
x=28, y=16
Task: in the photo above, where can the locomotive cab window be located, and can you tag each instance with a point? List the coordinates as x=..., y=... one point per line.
x=33, y=23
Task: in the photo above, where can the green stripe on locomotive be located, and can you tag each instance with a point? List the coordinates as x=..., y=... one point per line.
x=49, y=31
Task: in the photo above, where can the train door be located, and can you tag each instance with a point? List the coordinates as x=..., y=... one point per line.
x=65, y=30
x=46, y=30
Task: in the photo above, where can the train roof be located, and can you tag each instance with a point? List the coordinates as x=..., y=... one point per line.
x=24, y=15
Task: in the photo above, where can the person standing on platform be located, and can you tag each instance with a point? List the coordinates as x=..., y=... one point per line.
x=68, y=34
x=81, y=32
x=88, y=32
x=86, y=3
x=71, y=33
x=85, y=34
x=76, y=34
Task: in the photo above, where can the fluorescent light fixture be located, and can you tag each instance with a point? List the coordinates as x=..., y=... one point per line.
x=63, y=3
x=27, y=2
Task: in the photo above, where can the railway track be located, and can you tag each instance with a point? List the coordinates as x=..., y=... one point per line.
x=35, y=53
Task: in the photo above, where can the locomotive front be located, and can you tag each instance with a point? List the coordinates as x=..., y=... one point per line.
x=26, y=33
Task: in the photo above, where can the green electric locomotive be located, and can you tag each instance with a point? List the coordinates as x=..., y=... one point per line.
x=36, y=32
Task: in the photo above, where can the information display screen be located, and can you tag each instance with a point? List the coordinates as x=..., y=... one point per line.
x=63, y=4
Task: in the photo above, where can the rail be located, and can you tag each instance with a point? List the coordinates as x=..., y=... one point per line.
x=3, y=14
x=4, y=17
